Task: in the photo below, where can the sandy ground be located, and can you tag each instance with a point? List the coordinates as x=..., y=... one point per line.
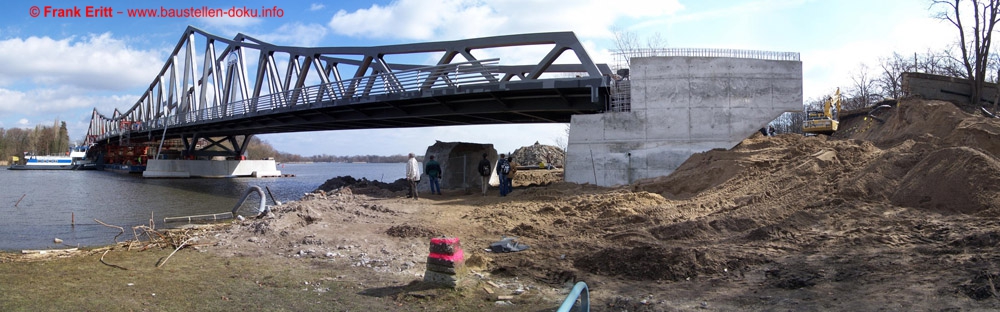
x=898, y=215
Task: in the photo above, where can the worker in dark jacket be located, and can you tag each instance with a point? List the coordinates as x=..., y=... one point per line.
x=433, y=171
x=484, y=171
x=503, y=168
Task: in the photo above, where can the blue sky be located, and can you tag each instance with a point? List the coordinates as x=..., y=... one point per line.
x=61, y=68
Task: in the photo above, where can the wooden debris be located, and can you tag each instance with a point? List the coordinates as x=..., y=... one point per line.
x=111, y=265
x=45, y=251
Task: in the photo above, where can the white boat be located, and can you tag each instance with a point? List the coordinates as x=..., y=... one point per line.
x=75, y=160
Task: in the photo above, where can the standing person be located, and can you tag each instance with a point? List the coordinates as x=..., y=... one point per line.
x=510, y=174
x=484, y=171
x=433, y=171
x=503, y=168
x=413, y=175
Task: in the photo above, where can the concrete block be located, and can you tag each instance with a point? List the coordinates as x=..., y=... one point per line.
x=709, y=92
x=625, y=126
x=459, y=164
x=637, y=157
x=711, y=67
x=709, y=123
x=668, y=124
x=787, y=94
x=441, y=279
x=681, y=106
x=615, y=161
x=639, y=97
x=614, y=177
x=579, y=173
x=586, y=128
x=666, y=93
x=579, y=164
x=669, y=158
x=654, y=68
x=750, y=92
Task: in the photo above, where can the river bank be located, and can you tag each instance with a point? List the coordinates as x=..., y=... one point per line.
x=335, y=250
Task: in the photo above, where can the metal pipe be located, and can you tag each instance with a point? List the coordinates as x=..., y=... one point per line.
x=263, y=204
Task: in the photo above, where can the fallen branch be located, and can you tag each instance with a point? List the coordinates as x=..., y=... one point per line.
x=172, y=253
x=112, y=226
x=111, y=265
x=19, y=200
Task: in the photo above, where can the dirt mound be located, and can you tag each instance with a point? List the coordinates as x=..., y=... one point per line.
x=659, y=263
x=532, y=155
x=954, y=179
x=536, y=177
x=406, y=230
x=363, y=186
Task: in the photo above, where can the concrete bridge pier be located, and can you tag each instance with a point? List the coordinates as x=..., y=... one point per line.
x=682, y=105
x=211, y=157
x=187, y=168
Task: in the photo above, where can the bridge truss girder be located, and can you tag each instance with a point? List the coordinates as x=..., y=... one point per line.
x=205, y=91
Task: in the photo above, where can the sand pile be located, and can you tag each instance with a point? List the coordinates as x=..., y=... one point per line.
x=786, y=209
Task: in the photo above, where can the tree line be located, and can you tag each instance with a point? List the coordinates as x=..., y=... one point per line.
x=41, y=140
x=260, y=149
x=970, y=57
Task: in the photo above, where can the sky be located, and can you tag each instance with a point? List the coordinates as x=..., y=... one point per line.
x=56, y=67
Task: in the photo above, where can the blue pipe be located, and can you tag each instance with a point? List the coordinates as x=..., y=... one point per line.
x=579, y=291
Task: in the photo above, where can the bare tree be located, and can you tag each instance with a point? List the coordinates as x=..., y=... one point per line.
x=890, y=81
x=789, y=122
x=628, y=43
x=863, y=91
x=974, y=43
x=656, y=41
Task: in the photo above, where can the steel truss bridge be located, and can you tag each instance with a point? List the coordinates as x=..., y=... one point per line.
x=226, y=90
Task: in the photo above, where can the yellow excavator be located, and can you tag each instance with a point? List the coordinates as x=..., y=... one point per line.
x=823, y=122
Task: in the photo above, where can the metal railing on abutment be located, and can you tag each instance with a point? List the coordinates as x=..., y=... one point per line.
x=621, y=99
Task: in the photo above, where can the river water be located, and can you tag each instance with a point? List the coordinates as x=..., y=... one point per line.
x=37, y=206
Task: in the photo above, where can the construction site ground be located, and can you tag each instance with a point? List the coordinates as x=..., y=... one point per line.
x=897, y=213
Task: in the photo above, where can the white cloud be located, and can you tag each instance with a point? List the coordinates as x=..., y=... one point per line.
x=95, y=61
x=66, y=103
x=316, y=7
x=295, y=34
x=455, y=19
x=228, y=23
x=729, y=12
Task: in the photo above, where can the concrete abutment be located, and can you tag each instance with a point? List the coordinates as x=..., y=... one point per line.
x=680, y=106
